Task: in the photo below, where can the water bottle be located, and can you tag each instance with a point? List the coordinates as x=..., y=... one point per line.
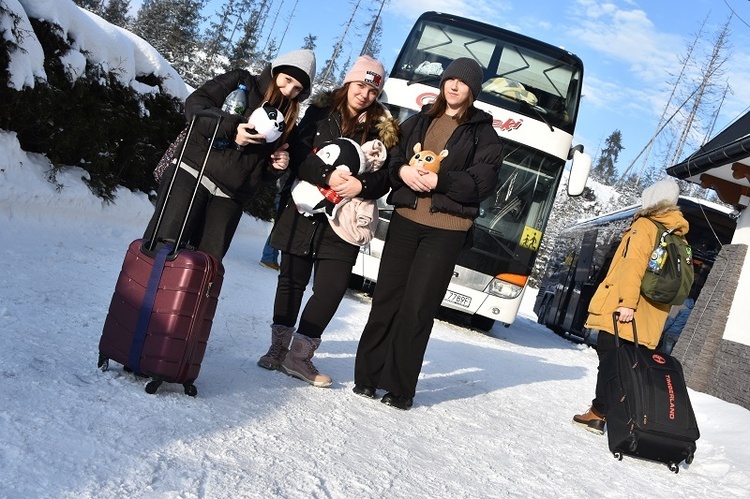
x=236, y=101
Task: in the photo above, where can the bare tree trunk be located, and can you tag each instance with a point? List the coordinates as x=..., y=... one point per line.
x=374, y=24
x=716, y=60
x=337, y=48
x=288, y=22
x=677, y=83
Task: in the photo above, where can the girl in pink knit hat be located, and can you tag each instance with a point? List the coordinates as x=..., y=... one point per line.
x=310, y=243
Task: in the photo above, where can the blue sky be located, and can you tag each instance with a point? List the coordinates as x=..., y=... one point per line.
x=631, y=51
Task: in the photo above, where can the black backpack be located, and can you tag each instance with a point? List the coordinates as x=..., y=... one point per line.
x=669, y=275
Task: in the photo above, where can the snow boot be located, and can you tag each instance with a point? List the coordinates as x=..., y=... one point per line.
x=298, y=362
x=281, y=336
x=592, y=420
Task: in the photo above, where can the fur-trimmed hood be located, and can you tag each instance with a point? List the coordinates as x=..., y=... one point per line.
x=387, y=126
x=667, y=214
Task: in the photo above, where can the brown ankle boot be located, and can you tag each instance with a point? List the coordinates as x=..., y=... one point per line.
x=592, y=420
x=281, y=336
x=298, y=362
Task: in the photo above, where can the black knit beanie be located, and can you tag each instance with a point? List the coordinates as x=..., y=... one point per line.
x=295, y=73
x=468, y=71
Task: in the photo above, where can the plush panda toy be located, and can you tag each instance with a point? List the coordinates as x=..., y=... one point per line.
x=268, y=121
x=341, y=153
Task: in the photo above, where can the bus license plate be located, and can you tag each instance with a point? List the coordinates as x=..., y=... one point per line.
x=458, y=299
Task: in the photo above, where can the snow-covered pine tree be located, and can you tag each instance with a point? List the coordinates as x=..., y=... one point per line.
x=245, y=50
x=216, y=41
x=94, y=6
x=116, y=12
x=173, y=28
x=183, y=37
x=604, y=167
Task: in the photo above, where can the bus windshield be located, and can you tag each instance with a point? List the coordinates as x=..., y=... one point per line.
x=520, y=74
x=512, y=220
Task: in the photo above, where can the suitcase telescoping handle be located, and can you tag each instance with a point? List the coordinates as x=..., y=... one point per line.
x=615, y=316
x=206, y=113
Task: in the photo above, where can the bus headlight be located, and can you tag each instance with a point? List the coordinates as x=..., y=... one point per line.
x=503, y=289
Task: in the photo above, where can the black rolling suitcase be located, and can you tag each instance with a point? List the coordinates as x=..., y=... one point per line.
x=649, y=414
x=162, y=309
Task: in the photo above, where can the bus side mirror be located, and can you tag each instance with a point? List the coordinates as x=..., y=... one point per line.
x=579, y=171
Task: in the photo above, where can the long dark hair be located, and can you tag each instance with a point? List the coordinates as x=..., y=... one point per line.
x=439, y=106
x=350, y=125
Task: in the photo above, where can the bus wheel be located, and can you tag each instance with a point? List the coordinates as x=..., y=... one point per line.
x=482, y=323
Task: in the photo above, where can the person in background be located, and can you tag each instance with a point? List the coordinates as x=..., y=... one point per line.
x=433, y=215
x=244, y=160
x=270, y=256
x=678, y=317
x=308, y=243
x=620, y=291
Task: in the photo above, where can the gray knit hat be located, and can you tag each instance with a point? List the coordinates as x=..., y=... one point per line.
x=664, y=192
x=468, y=71
x=299, y=64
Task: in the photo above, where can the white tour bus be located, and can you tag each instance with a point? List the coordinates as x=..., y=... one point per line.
x=533, y=90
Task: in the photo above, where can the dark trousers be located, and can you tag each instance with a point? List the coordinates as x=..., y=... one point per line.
x=415, y=270
x=329, y=285
x=605, y=343
x=213, y=220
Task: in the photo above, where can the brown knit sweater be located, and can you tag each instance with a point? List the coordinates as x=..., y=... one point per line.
x=437, y=135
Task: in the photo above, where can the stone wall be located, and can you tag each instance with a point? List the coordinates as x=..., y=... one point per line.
x=713, y=365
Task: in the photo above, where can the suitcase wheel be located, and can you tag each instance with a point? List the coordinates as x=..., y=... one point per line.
x=674, y=468
x=103, y=363
x=689, y=459
x=190, y=389
x=618, y=455
x=152, y=386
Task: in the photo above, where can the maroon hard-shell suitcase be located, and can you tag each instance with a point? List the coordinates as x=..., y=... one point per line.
x=162, y=309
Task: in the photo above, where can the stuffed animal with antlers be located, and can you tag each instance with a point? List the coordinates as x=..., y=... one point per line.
x=427, y=159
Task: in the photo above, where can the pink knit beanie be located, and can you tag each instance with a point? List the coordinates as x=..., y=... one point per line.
x=367, y=70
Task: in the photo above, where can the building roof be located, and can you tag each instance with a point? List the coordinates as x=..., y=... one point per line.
x=722, y=164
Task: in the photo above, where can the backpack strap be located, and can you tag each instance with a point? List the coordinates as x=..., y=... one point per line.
x=663, y=232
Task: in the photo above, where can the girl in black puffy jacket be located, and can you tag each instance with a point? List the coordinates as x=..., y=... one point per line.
x=309, y=243
x=432, y=217
x=241, y=159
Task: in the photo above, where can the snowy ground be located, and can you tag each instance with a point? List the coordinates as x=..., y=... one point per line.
x=491, y=417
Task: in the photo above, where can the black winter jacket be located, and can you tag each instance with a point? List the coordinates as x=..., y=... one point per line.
x=467, y=175
x=237, y=173
x=301, y=235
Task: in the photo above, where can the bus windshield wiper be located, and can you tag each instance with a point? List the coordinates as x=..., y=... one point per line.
x=502, y=245
x=423, y=79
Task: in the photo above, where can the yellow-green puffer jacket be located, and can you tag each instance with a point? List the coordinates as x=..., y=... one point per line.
x=622, y=285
